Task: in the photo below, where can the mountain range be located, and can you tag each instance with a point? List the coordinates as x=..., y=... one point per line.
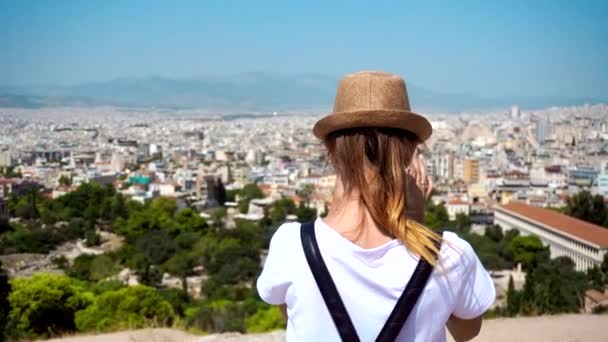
x=253, y=92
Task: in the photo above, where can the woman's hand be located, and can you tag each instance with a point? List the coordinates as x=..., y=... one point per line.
x=464, y=329
x=419, y=188
x=283, y=309
x=417, y=170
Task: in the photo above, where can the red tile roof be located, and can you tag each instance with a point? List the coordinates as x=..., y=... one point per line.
x=7, y=181
x=583, y=230
x=457, y=201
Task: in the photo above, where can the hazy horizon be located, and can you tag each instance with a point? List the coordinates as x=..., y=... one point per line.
x=543, y=48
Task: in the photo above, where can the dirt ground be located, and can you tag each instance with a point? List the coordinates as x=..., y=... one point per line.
x=566, y=328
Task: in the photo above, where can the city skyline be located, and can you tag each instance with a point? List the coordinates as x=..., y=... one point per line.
x=154, y=154
x=515, y=49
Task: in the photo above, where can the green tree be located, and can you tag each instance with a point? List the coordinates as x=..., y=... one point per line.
x=247, y=193
x=527, y=303
x=221, y=315
x=220, y=192
x=280, y=209
x=179, y=300
x=306, y=191
x=81, y=268
x=157, y=216
x=26, y=206
x=126, y=308
x=596, y=278
x=305, y=214
x=510, y=235
x=9, y=172
x=156, y=246
x=102, y=267
x=65, y=180
x=90, y=201
x=186, y=240
x=494, y=233
x=463, y=222
x=107, y=285
x=528, y=250
x=251, y=191
x=512, y=299
x=181, y=265
x=265, y=319
x=231, y=255
x=243, y=206
x=489, y=252
x=5, y=308
x=553, y=287
x=587, y=207
x=232, y=194
x=118, y=207
x=218, y=216
x=164, y=205
x=92, y=238
x=5, y=225
x=190, y=221
x=436, y=216
x=45, y=305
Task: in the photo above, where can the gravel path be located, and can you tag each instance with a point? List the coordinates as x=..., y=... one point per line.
x=566, y=328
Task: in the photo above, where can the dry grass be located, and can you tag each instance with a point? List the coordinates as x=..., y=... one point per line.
x=161, y=335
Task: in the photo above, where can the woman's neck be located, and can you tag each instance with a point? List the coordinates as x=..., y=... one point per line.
x=351, y=219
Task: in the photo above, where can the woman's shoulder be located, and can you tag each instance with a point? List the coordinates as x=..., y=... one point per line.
x=455, y=249
x=286, y=235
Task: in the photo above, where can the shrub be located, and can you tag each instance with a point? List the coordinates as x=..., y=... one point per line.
x=126, y=308
x=44, y=305
x=265, y=319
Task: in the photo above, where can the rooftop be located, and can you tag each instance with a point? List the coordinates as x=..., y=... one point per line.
x=457, y=201
x=565, y=224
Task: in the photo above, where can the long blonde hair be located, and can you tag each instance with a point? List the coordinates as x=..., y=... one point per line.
x=372, y=162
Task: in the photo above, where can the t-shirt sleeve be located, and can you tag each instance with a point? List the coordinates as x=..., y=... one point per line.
x=476, y=293
x=274, y=281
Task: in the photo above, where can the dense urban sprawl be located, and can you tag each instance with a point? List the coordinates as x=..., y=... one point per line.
x=171, y=211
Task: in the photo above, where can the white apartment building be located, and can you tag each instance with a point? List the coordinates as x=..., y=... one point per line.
x=583, y=242
x=457, y=206
x=5, y=157
x=445, y=166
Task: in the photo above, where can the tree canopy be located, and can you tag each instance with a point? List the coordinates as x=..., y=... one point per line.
x=45, y=305
x=161, y=238
x=587, y=207
x=126, y=308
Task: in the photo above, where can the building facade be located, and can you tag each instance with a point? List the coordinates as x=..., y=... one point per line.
x=543, y=130
x=457, y=206
x=583, y=242
x=444, y=167
x=470, y=171
x=5, y=156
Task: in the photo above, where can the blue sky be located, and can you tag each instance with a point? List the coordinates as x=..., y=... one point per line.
x=491, y=48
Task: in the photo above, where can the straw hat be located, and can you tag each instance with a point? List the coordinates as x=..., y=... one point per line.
x=372, y=99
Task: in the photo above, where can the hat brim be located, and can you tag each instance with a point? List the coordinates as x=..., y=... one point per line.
x=400, y=119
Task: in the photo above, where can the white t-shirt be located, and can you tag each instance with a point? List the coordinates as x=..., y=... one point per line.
x=369, y=282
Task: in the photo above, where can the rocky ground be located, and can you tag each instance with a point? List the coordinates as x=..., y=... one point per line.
x=27, y=264
x=565, y=328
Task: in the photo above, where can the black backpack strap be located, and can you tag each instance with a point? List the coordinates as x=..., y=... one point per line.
x=326, y=285
x=406, y=301
x=333, y=301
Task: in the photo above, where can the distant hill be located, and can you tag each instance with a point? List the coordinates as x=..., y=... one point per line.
x=255, y=91
x=19, y=101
